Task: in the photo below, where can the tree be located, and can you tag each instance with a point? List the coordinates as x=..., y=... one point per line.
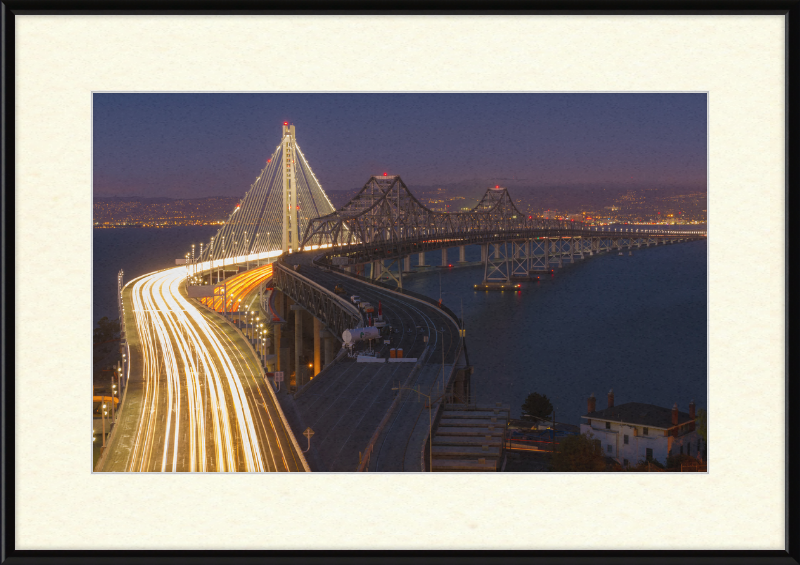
x=579, y=453
x=675, y=461
x=536, y=406
x=701, y=424
x=106, y=330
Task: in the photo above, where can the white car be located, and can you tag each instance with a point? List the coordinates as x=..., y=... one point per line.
x=355, y=299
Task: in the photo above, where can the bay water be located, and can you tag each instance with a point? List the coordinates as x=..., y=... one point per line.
x=636, y=323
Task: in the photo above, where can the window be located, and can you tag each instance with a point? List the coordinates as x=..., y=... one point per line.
x=681, y=450
x=625, y=438
x=644, y=431
x=688, y=449
x=608, y=425
x=625, y=462
x=608, y=448
x=649, y=454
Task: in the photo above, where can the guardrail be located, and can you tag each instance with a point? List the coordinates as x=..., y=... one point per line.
x=335, y=312
x=402, y=291
x=365, y=252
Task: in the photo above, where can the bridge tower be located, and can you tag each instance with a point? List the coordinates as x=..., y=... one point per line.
x=289, y=234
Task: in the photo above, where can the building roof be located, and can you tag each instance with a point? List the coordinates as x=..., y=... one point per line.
x=639, y=414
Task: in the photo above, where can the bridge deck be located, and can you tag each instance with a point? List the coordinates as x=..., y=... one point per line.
x=276, y=443
x=346, y=402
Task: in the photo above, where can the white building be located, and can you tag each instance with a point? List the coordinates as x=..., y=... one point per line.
x=635, y=432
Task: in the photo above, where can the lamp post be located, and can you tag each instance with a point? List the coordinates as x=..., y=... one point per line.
x=104, y=424
x=441, y=332
x=113, y=399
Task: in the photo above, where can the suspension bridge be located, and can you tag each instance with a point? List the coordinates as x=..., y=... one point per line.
x=204, y=391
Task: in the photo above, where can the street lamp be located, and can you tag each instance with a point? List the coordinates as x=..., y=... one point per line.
x=113, y=400
x=103, y=416
x=441, y=332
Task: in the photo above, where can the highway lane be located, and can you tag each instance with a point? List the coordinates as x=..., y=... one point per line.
x=204, y=404
x=347, y=401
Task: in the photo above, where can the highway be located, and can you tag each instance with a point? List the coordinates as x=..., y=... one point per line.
x=239, y=286
x=198, y=400
x=346, y=402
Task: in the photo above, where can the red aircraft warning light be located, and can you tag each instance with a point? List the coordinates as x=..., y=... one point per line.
x=386, y=174
x=286, y=123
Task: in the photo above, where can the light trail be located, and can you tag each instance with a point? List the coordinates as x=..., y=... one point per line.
x=237, y=287
x=203, y=407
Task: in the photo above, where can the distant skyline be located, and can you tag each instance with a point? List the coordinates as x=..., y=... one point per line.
x=198, y=145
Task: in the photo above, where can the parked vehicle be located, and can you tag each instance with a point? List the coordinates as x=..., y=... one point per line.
x=355, y=299
x=339, y=289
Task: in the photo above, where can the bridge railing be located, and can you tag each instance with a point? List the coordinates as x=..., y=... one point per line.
x=421, y=242
x=337, y=314
x=320, y=262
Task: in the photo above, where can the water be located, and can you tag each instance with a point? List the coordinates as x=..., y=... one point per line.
x=636, y=324
x=137, y=251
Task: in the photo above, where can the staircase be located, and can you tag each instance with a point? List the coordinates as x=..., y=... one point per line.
x=469, y=437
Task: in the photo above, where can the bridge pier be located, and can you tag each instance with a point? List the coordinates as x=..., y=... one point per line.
x=298, y=344
x=444, y=256
x=421, y=262
x=328, y=341
x=462, y=255
x=520, y=259
x=496, y=267
x=317, y=336
x=407, y=264
x=484, y=251
x=277, y=333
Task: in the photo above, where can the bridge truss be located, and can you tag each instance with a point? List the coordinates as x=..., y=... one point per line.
x=385, y=221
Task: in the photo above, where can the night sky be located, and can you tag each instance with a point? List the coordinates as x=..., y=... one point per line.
x=195, y=145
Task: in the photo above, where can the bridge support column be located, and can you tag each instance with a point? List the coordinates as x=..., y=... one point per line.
x=484, y=251
x=444, y=256
x=317, y=332
x=407, y=264
x=276, y=338
x=421, y=262
x=462, y=254
x=329, y=340
x=298, y=344
x=496, y=267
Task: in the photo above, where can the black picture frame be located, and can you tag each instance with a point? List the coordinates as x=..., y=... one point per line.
x=790, y=8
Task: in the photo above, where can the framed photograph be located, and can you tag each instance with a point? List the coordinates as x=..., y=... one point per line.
x=273, y=242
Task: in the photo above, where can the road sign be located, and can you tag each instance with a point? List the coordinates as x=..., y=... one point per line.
x=387, y=341
x=279, y=377
x=308, y=433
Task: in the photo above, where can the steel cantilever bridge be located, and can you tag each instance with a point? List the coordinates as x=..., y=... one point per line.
x=385, y=221
x=196, y=396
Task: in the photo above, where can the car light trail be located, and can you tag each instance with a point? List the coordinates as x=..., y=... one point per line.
x=238, y=287
x=202, y=405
